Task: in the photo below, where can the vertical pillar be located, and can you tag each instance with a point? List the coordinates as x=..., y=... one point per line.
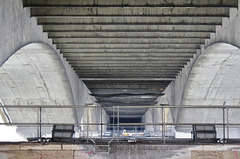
x=118, y=124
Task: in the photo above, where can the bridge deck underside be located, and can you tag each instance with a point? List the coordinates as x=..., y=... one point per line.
x=127, y=52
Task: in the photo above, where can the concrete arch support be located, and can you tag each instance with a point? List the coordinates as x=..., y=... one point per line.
x=17, y=29
x=214, y=80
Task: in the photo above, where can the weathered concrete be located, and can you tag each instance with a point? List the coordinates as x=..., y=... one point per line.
x=133, y=11
x=215, y=94
x=34, y=75
x=127, y=41
x=172, y=3
x=228, y=33
x=104, y=13
x=128, y=28
x=155, y=115
x=214, y=77
x=129, y=20
x=129, y=35
x=132, y=151
x=214, y=80
x=18, y=30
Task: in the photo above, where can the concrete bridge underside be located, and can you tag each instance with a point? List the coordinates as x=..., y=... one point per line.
x=114, y=53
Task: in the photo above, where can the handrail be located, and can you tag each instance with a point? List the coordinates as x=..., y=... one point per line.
x=164, y=123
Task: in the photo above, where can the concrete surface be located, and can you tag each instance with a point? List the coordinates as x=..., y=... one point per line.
x=132, y=151
x=112, y=39
x=19, y=29
x=34, y=75
x=213, y=80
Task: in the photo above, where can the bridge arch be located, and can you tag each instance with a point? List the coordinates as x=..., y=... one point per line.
x=35, y=75
x=213, y=80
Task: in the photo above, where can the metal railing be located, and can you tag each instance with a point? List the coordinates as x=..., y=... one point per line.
x=163, y=123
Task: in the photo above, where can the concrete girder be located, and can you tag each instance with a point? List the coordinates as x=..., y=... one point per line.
x=119, y=68
x=128, y=54
x=128, y=71
x=127, y=99
x=132, y=11
x=110, y=104
x=107, y=39
x=168, y=50
x=98, y=72
x=127, y=79
x=125, y=90
x=133, y=72
x=113, y=59
x=128, y=28
x=128, y=35
x=124, y=86
x=117, y=3
x=127, y=75
x=128, y=116
x=163, y=63
x=147, y=20
x=137, y=65
x=128, y=46
x=128, y=41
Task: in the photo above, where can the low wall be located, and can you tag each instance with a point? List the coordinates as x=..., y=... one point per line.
x=131, y=151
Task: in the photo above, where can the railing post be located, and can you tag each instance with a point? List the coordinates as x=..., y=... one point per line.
x=40, y=123
x=101, y=122
x=113, y=121
x=118, y=125
x=164, y=124
x=224, y=138
x=227, y=123
x=87, y=121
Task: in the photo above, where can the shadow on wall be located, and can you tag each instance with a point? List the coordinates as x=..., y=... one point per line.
x=34, y=75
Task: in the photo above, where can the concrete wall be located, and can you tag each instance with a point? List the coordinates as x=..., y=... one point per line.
x=174, y=92
x=35, y=76
x=19, y=29
x=155, y=115
x=229, y=33
x=214, y=80
x=131, y=151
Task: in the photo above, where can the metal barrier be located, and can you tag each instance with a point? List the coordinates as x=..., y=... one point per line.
x=115, y=126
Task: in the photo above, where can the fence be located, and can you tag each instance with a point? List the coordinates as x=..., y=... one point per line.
x=92, y=121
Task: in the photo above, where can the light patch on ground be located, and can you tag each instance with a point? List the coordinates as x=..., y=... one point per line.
x=9, y=133
x=183, y=135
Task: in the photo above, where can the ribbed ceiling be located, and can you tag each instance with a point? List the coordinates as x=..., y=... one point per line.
x=128, y=51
